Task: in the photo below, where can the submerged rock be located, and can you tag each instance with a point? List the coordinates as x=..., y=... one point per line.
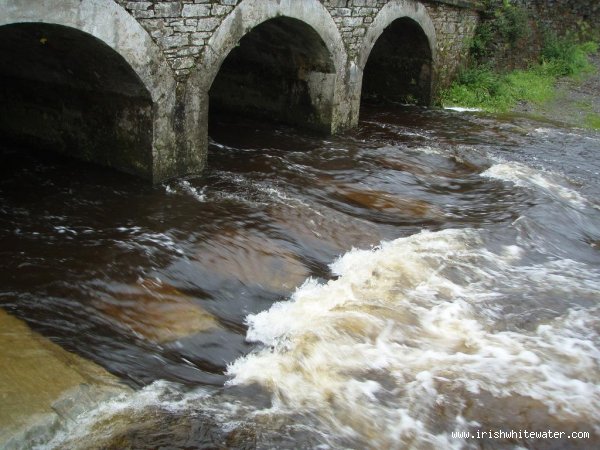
x=253, y=260
x=390, y=203
x=157, y=312
x=42, y=386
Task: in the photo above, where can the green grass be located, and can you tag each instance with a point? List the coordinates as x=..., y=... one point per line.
x=592, y=121
x=481, y=87
x=584, y=105
x=485, y=89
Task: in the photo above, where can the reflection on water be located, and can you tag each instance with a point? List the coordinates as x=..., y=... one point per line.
x=255, y=306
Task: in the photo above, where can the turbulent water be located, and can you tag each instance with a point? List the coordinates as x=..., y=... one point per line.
x=433, y=272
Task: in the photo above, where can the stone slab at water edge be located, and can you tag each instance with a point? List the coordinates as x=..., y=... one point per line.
x=42, y=386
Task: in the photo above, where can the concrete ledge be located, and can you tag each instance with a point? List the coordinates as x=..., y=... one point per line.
x=43, y=387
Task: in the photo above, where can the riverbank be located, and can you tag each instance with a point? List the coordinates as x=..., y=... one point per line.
x=562, y=88
x=576, y=102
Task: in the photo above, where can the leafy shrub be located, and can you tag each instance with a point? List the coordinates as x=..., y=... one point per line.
x=564, y=56
x=505, y=22
x=512, y=22
x=482, y=40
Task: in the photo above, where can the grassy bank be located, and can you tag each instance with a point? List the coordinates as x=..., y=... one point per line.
x=481, y=87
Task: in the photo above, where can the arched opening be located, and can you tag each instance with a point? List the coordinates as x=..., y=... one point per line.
x=280, y=71
x=67, y=91
x=399, y=67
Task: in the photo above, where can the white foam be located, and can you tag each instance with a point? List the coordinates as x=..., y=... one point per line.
x=94, y=425
x=186, y=187
x=558, y=132
x=279, y=195
x=198, y=194
x=149, y=243
x=527, y=177
x=462, y=109
x=428, y=150
x=62, y=230
x=376, y=353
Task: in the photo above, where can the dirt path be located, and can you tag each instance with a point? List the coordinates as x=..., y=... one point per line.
x=577, y=102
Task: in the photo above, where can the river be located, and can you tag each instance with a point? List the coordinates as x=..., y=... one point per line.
x=430, y=272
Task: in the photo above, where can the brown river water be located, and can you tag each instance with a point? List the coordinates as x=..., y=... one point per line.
x=430, y=272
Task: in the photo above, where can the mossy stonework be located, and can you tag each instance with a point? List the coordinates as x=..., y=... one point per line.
x=512, y=34
x=298, y=61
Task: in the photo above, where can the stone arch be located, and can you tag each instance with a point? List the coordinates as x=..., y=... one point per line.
x=398, y=14
x=280, y=71
x=250, y=14
x=110, y=24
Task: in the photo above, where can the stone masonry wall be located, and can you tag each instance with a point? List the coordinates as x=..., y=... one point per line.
x=180, y=27
x=555, y=16
x=561, y=16
x=353, y=17
x=165, y=43
x=183, y=27
x=454, y=28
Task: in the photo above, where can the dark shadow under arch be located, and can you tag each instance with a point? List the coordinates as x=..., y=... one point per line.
x=280, y=71
x=65, y=90
x=399, y=67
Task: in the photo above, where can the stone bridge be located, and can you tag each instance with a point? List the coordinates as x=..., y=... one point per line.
x=131, y=83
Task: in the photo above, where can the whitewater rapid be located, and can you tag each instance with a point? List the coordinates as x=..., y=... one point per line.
x=407, y=333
